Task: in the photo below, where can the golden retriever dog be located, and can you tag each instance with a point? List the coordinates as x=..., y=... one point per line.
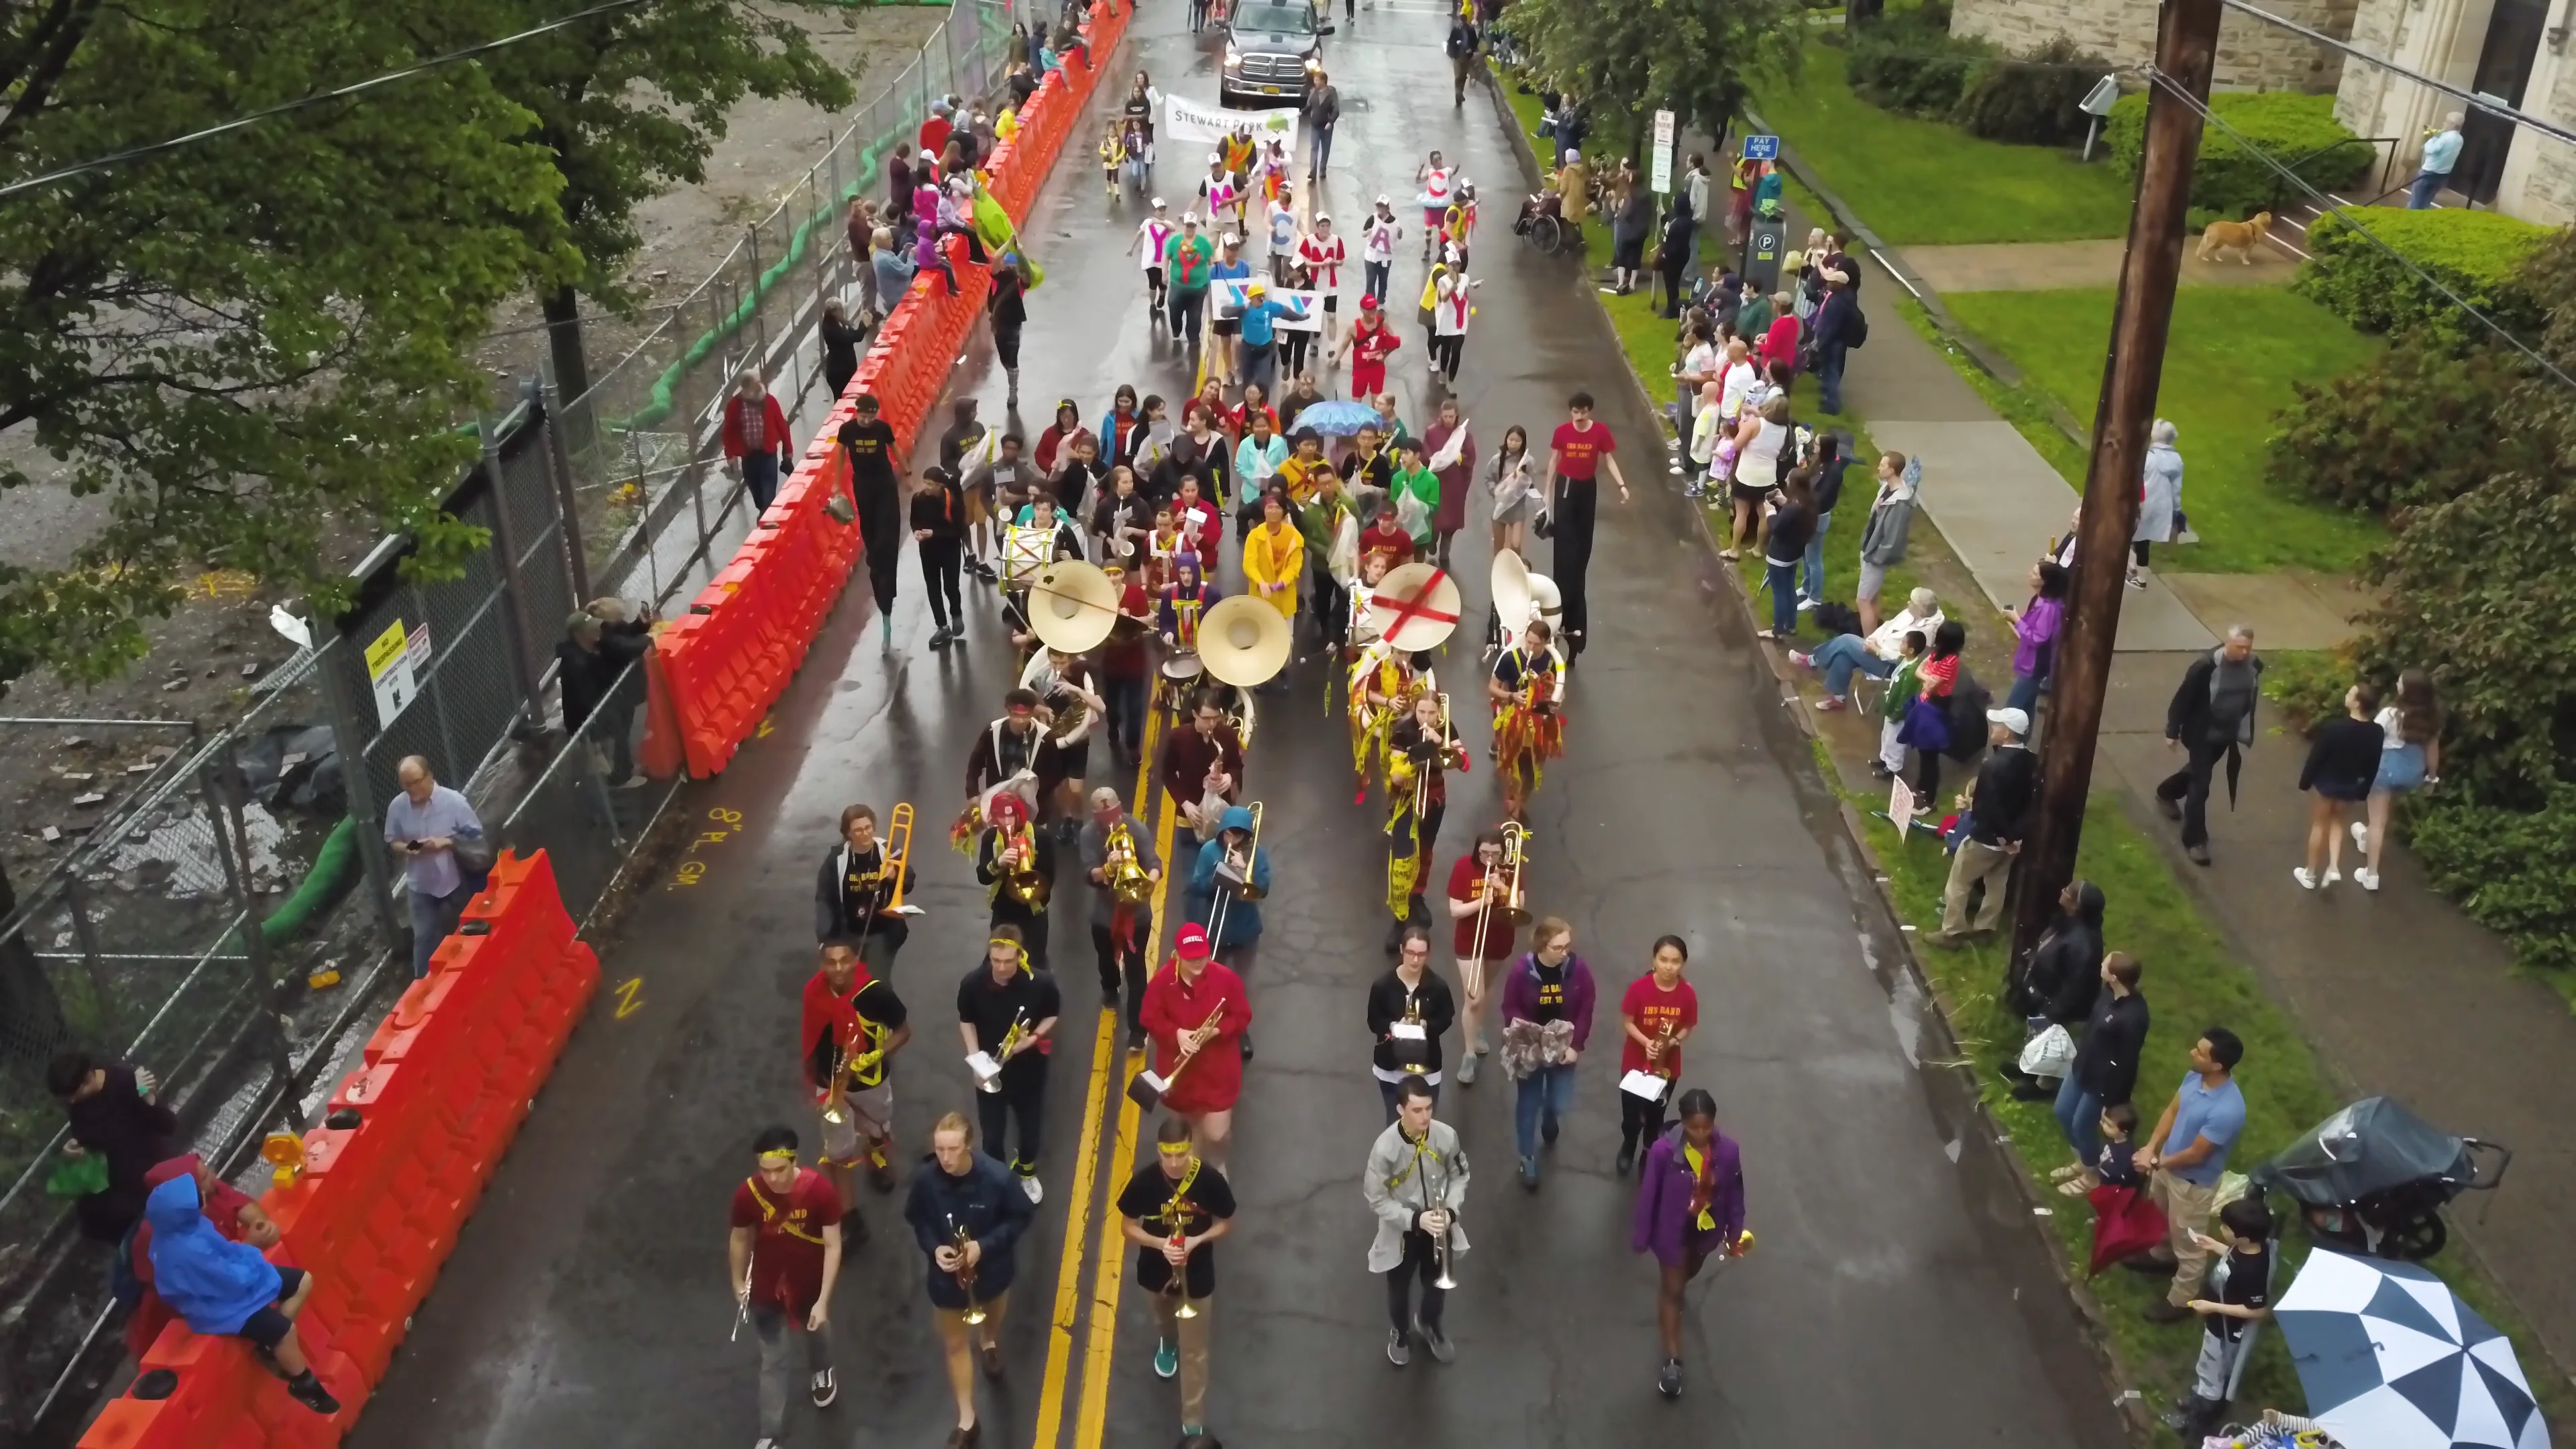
x=2240, y=237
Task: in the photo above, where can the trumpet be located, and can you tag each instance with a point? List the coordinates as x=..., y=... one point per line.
x=1023, y=881
x=1662, y=1064
x=1126, y=874
x=959, y=1241
x=1002, y=1053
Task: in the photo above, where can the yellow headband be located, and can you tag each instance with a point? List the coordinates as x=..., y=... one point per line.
x=779, y=1157
x=1017, y=949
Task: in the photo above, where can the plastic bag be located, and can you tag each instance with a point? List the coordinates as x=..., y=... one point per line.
x=76, y=1176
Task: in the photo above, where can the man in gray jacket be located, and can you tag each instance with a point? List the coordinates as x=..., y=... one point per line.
x=1882, y=535
x=1417, y=1177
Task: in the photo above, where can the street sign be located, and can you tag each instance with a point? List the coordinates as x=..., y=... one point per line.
x=1663, y=173
x=1761, y=148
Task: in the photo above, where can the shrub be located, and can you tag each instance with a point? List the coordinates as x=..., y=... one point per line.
x=2034, y=99
x=2477, y=254
x=2416, y=425
x=1912, y=64
x=2513, y=871
x=2298, y=131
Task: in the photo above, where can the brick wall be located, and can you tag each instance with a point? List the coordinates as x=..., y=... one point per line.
x=2251, y=55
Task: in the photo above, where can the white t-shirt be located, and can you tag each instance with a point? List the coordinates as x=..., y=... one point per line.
x=1449, y=314
x=1759, y=466
x=1323, y=256
x=1377, y=239
x=1158, y=234
x=1283, y=227
x=1702, y=361
x=1739, y=380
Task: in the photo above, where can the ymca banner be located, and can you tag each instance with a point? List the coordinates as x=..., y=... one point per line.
x=1200, y=123
x=1309, y=317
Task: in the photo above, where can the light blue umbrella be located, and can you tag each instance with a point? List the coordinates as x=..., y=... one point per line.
x=1339, y=417
x=2391, y=1359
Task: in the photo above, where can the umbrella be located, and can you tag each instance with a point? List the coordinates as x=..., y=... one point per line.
x=1339, y=417
x=2392, y=1360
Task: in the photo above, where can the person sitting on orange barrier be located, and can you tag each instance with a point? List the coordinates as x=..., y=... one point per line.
x=227, y=1207
x=227, y=1289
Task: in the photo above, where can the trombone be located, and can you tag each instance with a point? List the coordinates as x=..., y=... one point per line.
x=898, y=852
x=1511, y=868
x=1233, y=880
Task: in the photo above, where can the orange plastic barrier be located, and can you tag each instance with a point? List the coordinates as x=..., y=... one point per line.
x=446, y=1080
x=726, y=661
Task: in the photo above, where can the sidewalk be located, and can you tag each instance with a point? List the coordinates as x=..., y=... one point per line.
x=2399, y=992
x=2052, y=266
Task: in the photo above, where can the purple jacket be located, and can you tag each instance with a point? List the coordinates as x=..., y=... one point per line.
x=1662, y=1224
x=2037, y=633
x=1520, y=994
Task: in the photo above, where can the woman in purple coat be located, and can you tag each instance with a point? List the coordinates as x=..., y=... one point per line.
x=1690, y=1208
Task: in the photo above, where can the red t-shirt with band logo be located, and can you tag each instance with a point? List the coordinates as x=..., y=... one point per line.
x=1652, y=1009
x=787, y=1251
x=1579, y=451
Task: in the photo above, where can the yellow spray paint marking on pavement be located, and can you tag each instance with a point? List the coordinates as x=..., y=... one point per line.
x=629, y=999
x=1091, y=1422
x=1078, y=1215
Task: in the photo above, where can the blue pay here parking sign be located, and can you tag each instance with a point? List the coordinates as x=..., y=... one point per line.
x=1761, y=148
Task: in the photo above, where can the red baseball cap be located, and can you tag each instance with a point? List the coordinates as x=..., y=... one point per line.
x=1367, y=302
x=1192, y=943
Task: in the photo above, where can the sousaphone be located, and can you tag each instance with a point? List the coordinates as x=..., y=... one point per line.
x=1415, y=608
x=1520, y=596
x=1243, y=641
x=1072, y=606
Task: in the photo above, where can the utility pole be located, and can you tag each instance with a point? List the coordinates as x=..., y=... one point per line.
x=2186, y=49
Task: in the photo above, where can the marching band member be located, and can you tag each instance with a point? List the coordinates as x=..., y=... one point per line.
x=1048, y=536
x=1017, y=861
x=1006, y=1014
x=1690, y=1208
x=1202, y=766
x=1064, y=685
x=1202, y=523
x=1381, y=680
x=1415, y=1181
x=1421, y=748
x=1657, y=1013
x=1386, y=539
x=854, y=888
x=1194, y=1007
x=968, y=1222
x=1122, y=520
x=1121, y=927
x=1174, y=1211
x=1482, y=939
x=1183, y=602
x=1012, y=755
x=784, y=1249
x=1305, y=456
x=852, y=1023
x=1409, y=1010
x=1161, y=546
x=1238, y=937
x=1330, y=527
x=1527, y=690
x=1550, y=988
x=1273, y=557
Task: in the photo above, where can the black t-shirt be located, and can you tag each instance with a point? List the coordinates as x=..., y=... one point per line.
x=1551, y=988
x=2243, y=1279
x=880, y=1013
x=871, y=449
x=1208, y=1199
x=1030, y=997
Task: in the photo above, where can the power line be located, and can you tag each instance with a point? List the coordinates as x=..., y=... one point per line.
x=2328, y=205
x=157, y=148
x=2523, y=119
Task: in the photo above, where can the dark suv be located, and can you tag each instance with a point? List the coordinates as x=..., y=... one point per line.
x=1272, y=50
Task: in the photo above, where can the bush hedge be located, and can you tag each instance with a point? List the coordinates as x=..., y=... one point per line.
x=1911, y=64
x=2299, y=131
x=2416, y=425
x=2477, y=254
x=2034, y=100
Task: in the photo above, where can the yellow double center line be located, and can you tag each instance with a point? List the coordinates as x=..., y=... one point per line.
x=1081, y=1208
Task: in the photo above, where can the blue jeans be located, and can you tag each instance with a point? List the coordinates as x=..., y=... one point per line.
x=1547, y=1092
x=1812, y=569
x=2025, y=692
x=2079, y=1116
x=760, y=478
x=1373, y=278
x=1784, y=595
x=1839, y=656
x=431, y=918
x=2426, y=185
x=1322, y=149
x=1829, y=378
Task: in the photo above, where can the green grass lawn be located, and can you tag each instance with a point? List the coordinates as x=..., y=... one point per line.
x=1924, y=183
x=2228, y=368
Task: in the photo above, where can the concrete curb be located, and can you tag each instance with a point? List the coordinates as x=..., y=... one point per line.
x=2133, y=1408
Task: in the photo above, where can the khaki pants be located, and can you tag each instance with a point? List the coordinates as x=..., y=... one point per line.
x=1191, y=1335
x=1975, y=862
x=2187, y=1208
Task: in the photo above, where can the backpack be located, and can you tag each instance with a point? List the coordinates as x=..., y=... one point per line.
x=1858, y=332
x=1969, y=702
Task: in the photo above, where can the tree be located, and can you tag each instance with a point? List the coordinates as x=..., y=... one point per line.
x=1631, y=59
x=240, y=341
x=631, y=104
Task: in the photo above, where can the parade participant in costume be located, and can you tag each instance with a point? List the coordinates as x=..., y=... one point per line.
x=1121, y=520
x=1367, y=345
x=1547, y=1021
x=854, y=889
x=1382, y=680
x=1577, y=452
x=1126, y=668
x=1305, y=459
x=1010, y=755
x=1202, y=766
x=1162, y=546
x=1201, y=451
x=1527, y=690
x=1183, y=602
x=1154, y=234
x=1439, y=185
x=1038, y=518
x=941, y=514
x=1421, y=749
x=1127, y=878
x=1415, y=496
x=1415, y=1182
x=1273, y=558
x=1006, y=1015
x=1068, y=421
x=852, y=1023
x=1657, y=1013
x=785, y=1254
x=996, y=487
x=1409, y=1010
x=1073, y=710
x=1214, y=892
x=867, y=445
x=1481, y=939
x=1196, y=1008
x=1458, y=223
x=1173, y=1209
x=967, y=1221
x=1201, y=521
x=1016, y=860
x=1322, y=253
x=1690, y=1208
x=1371, y=469
x=1329, y=526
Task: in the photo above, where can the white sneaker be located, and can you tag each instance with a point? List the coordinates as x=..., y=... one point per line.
x=1804, y=605
x=2307, y=882
x=825, y=1390
x=2330, y=877
x=2366, y=878
x=2360, y=835
x=1030, y=1186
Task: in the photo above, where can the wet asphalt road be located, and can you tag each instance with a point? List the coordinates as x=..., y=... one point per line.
x=1896, y=1296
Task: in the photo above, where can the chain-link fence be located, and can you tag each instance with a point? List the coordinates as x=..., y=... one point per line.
x=654, y=503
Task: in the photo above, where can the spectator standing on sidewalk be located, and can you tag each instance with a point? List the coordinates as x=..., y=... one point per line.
x=599, y=642
x=2206, y=1116
x=2410, y=757
x=2035, y=629
x=2211, y=718
x=2343, y=760
x=1833, y=455
x=840, y=348
x=423, y=827
x=2106, y=1061
x=1463, y=44
x=1999, y=811
x=2160, y=499
x=1839, y=328
x=1883, y=533
x=756, y=441
x=2058, y=982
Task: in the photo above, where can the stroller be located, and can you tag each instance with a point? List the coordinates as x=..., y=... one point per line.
x=2374, y=1178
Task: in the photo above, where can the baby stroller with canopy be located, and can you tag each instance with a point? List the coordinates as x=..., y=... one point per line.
x=2375, y=1177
